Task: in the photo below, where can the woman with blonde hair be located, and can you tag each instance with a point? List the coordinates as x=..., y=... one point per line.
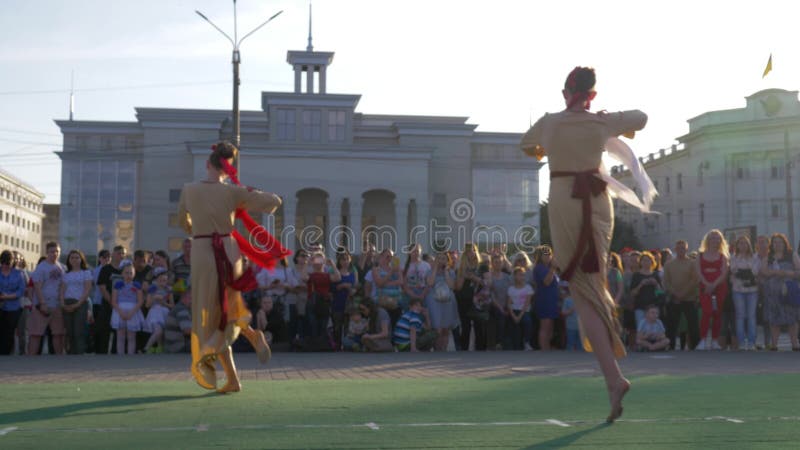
x=744, y=267
x=440, y=300
x=712, y=271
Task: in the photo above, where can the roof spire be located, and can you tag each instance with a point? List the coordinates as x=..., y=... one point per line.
x=310, y=47
x=71, y=95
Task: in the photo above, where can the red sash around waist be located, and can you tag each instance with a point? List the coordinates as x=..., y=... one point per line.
x=246, y=282
x=586, y=185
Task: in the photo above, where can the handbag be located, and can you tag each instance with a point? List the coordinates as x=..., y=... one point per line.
x=441, y=292
x=791, y=293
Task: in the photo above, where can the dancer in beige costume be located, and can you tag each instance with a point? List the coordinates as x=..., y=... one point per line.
x=573, y=141
x=205, y=208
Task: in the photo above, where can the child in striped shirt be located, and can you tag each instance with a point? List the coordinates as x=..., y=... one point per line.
x=413, y=331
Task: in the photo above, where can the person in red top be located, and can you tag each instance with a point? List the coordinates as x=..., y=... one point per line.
x=323, y=273
x=712, y=271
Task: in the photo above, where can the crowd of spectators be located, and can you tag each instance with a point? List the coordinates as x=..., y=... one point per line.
x=667, y=299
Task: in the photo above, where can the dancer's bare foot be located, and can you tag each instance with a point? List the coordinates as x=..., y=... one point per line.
x=615, y=394
x=205, y=374
x=259, y=343
x=230, y=386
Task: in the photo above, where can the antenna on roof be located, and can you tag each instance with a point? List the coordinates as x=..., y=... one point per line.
x=71, y=95
x=310, y=47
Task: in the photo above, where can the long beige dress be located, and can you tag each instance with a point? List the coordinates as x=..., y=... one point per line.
x=573, y=142
x=206, y=208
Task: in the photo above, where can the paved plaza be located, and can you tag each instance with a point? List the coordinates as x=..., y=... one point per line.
x=322, y=366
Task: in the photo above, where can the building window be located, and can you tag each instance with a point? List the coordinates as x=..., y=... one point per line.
x=336, y=126
x=702, y=212
x=286, y=125
x=174, y=195
x=175, y=244
x=776, y=171
x=667, y=186
x=700, y=176
x=776, y=208
x=312, y=122
x=669, y=220
x=132, y=144
x=742, y=170
x=680, y=218
x=679, y=182
x=82, y=142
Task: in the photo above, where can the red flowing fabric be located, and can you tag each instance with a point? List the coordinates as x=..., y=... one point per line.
x=586, y=186
x=270, y=251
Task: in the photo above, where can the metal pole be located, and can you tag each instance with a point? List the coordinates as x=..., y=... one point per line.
x=789, y=197
x=236, y=81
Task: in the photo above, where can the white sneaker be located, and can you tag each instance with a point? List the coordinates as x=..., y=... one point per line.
x=528, y=347
x=715, y=345
x=701, y=346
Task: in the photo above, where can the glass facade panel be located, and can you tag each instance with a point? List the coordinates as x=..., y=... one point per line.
x=101, y=215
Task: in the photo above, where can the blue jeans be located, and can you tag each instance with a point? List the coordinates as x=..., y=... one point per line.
x=350, y=343
x=745, y=304
x=574, y=340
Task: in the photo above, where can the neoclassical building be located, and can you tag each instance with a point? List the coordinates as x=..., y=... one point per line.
x=729, y=172
x=21, y=214
x=388, y=177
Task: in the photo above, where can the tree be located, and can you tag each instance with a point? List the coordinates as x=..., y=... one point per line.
x=624, y=236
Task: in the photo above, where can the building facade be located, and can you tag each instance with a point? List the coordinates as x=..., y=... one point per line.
x=735, y=170
x=21, y=214
x=393, y=179
x=52, y=217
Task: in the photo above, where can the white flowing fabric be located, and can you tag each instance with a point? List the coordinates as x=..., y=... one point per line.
x=622, y=153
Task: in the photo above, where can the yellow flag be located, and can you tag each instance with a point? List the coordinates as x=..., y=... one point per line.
x=768, y=69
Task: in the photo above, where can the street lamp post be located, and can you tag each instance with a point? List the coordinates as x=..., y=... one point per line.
x=236, y=60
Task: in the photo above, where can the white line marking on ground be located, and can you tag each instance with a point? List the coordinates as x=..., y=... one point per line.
x=370, y=425
x=557, y=422
x=727, y=419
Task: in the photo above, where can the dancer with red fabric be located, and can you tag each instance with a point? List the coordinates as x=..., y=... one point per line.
x=206, y=211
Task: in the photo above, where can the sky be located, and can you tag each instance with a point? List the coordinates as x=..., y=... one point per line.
x=501, y=63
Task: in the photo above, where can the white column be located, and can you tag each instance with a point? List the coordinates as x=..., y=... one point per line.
x=310, y=79
x=334, y=221
x=356, y=210
x=423, y=221
x=401, y=223
x=298, y=76
x=322, y=84
x=289, y=215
